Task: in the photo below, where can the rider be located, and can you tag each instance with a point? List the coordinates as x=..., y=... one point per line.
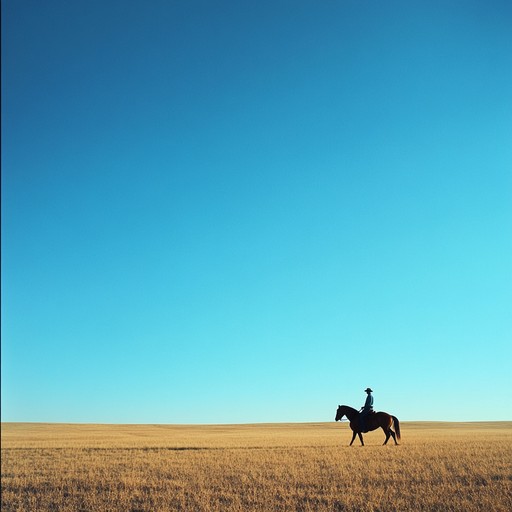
x=366, y=409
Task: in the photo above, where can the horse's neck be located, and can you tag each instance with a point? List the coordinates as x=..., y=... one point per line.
x=350, y=412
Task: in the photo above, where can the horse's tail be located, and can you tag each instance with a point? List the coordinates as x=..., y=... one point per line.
x=397, y=426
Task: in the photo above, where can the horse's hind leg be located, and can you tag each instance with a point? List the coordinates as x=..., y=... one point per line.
x=388, y=433
x=361, y=438
x=353, y=437
x=393, y=435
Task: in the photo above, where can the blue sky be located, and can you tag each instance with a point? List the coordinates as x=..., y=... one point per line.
x=233, y=212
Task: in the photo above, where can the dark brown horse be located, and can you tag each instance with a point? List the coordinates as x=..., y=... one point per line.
x=372, y=422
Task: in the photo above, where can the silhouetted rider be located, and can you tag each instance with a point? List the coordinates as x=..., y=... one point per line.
x=366, y=409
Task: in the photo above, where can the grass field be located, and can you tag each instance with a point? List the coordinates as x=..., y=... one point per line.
x=303, y=467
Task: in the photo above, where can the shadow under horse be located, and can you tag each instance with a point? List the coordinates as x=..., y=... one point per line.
x=373, y=421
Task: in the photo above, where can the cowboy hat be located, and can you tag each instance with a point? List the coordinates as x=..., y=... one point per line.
x=369, y=390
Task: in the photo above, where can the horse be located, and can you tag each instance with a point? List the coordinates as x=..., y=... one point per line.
x=373, y=421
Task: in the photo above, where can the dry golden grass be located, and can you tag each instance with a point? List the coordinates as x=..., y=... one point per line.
x=285, y=467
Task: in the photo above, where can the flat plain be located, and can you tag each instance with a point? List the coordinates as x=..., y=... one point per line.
x=261, y=467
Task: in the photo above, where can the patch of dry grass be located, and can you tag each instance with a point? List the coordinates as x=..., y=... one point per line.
x=283, y=467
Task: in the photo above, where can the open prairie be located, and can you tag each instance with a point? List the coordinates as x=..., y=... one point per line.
x=264, y=467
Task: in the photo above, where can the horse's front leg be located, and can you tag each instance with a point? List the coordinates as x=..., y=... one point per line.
x=360, y=437
x=353, y=437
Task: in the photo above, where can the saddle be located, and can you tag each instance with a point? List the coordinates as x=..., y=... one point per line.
x=363, y=420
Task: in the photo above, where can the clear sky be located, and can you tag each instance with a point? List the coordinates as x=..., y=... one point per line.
x=234, y=212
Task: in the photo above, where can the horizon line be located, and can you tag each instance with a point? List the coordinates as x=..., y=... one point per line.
x=232, y=424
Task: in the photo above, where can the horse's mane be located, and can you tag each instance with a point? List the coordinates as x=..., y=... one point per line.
x=348, y=407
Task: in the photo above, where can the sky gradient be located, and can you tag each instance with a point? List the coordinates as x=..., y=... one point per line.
x=235, y=212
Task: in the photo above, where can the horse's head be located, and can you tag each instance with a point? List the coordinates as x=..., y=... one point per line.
x=339, y=413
